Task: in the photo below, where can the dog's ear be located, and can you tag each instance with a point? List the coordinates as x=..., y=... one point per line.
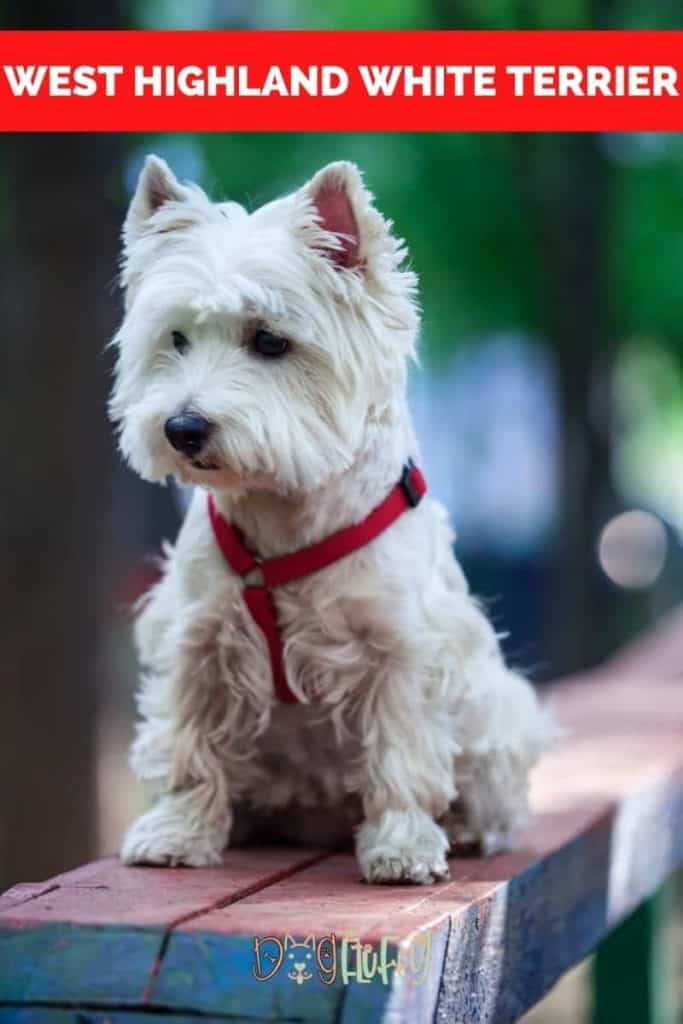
x=334, y=193
x=157, y=185
x=346, y=228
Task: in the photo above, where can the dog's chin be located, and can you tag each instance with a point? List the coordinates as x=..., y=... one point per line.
x=206, y=473
x=210, y=473
x=204, y=465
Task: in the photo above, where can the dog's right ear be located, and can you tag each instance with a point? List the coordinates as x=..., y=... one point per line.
x=157, y=185
x=343, y=225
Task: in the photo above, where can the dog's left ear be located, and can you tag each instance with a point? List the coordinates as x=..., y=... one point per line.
x=157, y=185
x=334, y=193
x=348, y=230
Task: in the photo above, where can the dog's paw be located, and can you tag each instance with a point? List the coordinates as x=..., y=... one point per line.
x=404, y=867
x=468, y=841
x=159, y=838
x=402, y=848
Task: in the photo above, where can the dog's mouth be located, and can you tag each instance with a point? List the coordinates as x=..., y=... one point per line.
x=204, y=465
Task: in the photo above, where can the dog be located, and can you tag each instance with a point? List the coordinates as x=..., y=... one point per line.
x=262, y=358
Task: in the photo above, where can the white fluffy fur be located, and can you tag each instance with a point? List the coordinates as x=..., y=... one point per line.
x=410, y=726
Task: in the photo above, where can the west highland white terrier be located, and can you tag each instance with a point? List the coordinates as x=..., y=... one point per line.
x=314, y=664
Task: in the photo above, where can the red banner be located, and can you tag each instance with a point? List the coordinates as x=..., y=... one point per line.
x=341, y=81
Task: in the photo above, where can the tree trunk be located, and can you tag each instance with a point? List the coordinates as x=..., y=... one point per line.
x=567, y=186
x=576, y=232
x=59, y=256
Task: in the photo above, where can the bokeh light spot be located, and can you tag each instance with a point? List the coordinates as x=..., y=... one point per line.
x=632, y=549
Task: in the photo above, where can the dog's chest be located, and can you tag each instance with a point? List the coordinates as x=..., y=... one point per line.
x=309, y=754
x=327, y=634
x=306, y=762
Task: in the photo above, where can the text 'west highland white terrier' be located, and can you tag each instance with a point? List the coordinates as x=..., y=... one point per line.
x=313, y=659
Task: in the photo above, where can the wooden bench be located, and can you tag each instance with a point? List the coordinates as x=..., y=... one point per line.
x=133, y=945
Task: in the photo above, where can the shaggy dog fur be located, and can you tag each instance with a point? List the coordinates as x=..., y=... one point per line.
x=410, y=727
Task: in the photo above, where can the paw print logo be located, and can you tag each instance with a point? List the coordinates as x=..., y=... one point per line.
x=300, y=959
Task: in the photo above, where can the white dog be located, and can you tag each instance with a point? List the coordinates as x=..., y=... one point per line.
x=263, y=358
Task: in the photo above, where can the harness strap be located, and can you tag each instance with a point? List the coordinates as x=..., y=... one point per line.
x=407, y=493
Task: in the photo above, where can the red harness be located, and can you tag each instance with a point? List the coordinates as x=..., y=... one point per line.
x=258, y=598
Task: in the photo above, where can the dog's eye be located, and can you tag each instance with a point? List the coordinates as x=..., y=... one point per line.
x=268, y=344
x=180, y=342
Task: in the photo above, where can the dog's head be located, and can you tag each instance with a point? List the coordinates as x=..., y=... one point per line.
x=259, y=350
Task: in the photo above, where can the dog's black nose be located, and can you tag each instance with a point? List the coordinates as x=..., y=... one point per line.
x=188, y=433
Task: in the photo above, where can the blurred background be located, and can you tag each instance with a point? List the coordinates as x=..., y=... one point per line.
x=549, y=402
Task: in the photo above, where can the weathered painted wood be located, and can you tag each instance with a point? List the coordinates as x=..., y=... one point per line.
x=214, y=973
x=56, y=963
x=24, y=893
x=97, y=932
x=107, y=892
x=607, y=831
x=54, y=1015
x=541, y=923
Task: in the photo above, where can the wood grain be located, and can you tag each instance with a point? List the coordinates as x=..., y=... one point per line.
x=96, y=935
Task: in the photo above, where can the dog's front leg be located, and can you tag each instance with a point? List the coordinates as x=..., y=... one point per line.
x=184, y=744
x=408, y=782
x=175, y=746
x=188, y=826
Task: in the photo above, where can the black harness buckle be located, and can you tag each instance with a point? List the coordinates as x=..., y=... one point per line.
x=413, y=496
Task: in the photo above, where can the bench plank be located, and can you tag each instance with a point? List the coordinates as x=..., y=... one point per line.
x=64, y=963
x=98, y=931
x=106, y=891
x=52, y=1015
